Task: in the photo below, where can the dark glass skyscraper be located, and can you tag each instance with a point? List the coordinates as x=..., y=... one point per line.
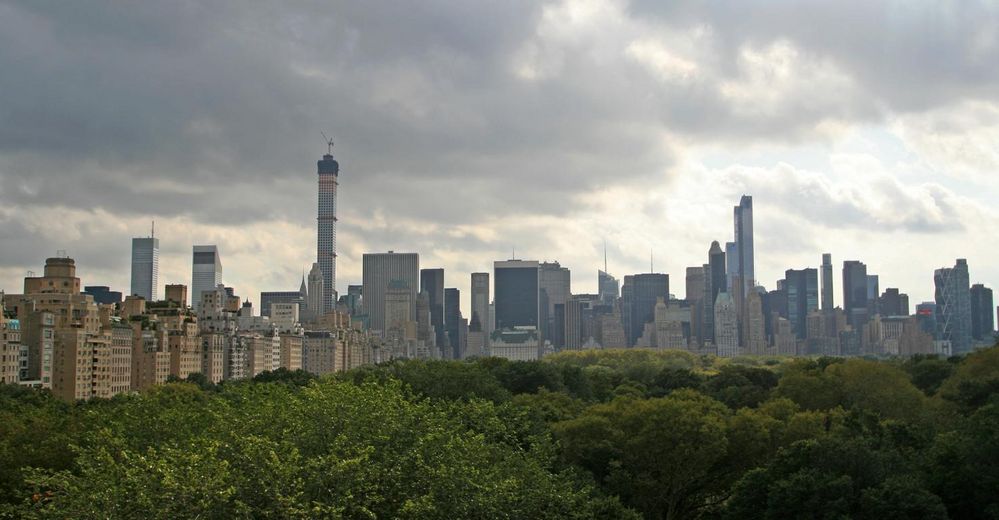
x=515, y=283
x=855, y=293
x=982, y=321
x=714, y=283
x=639, y=295
x=329, y=172
x=432, y=283
x=802, y=289
x=452, y=319
x=892, y=302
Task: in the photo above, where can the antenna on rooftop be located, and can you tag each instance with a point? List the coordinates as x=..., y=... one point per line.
x=651, y=268
x=152, y=231
x=329, y=143
x=605, y=255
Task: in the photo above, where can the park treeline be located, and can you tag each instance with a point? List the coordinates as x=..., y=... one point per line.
x=591, y=434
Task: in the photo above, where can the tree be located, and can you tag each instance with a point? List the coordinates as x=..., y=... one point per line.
x=928, y=372
x=328, y=449
x=740, y=386
x=661, y=456
x=834, y=478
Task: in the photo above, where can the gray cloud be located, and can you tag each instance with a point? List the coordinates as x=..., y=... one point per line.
x=445, y=113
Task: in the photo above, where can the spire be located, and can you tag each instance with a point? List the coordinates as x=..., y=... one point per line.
x=303, y=289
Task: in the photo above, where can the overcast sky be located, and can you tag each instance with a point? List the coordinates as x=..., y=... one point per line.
x=866, y=129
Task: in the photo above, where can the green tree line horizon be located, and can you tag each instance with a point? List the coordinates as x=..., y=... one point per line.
x=628, y=434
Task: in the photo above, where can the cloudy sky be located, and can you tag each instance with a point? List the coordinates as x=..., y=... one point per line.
x=867, y=129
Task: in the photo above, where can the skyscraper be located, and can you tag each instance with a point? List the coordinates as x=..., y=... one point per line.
x=695, y=296
x=731, y=265
x=726, y=326
x=755, y=328
x=717, y=274
x=377, y=270
x=873, y=290
x=893, y=303
x=953, y=299
x=855, y=293
x=516, y=285
x=145, y=267
x=329, y=172
x=315, y=289
x=982, y=321
x=480, y=301
x=206, y=272
x=553, y=282
x=827, y=282
x=714, y=283
x=608, y=288
x=638, y=302
x=802, y=289
x=744, y=243
x=452, y=320
x=432, y=283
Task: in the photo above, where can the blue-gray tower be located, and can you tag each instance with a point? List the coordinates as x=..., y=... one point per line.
x=329, y=171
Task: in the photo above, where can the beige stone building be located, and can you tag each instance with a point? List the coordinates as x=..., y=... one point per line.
x=291, y=351
x=10, y=349
x=150, y=354
x=319, y=352
x=213, y=348
x=82, y=360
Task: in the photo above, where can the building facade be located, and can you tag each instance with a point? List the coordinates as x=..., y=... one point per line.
x=378, y=270
x=145, y=267
x=329, y=179
x=432, y=283
x=953, y=299
x=517, y=293
x=206, y=272
x=982, y=320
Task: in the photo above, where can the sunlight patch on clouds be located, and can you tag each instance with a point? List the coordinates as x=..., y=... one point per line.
x=960, y=141
x=780, y=78
x=660, y=61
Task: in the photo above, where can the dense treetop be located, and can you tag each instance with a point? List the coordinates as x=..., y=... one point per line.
x=592, y=434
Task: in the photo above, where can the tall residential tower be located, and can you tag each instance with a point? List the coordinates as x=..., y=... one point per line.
x=329, y=171
x=744, y=243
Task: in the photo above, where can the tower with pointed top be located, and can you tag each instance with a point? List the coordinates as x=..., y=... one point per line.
x=314, y=301
x=329, y=172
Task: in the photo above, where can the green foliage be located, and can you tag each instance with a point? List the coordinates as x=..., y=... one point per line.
x=662, y=456
x=283, y=375
x=740, y=386
x=592, y=434
x=438, y=379
x=975, y=381
x=274, y=450
x=928, y=372
x=962, y=465
x=833, y=478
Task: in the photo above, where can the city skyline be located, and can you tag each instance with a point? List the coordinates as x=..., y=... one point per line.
x=462, y=280
x=869, y=156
